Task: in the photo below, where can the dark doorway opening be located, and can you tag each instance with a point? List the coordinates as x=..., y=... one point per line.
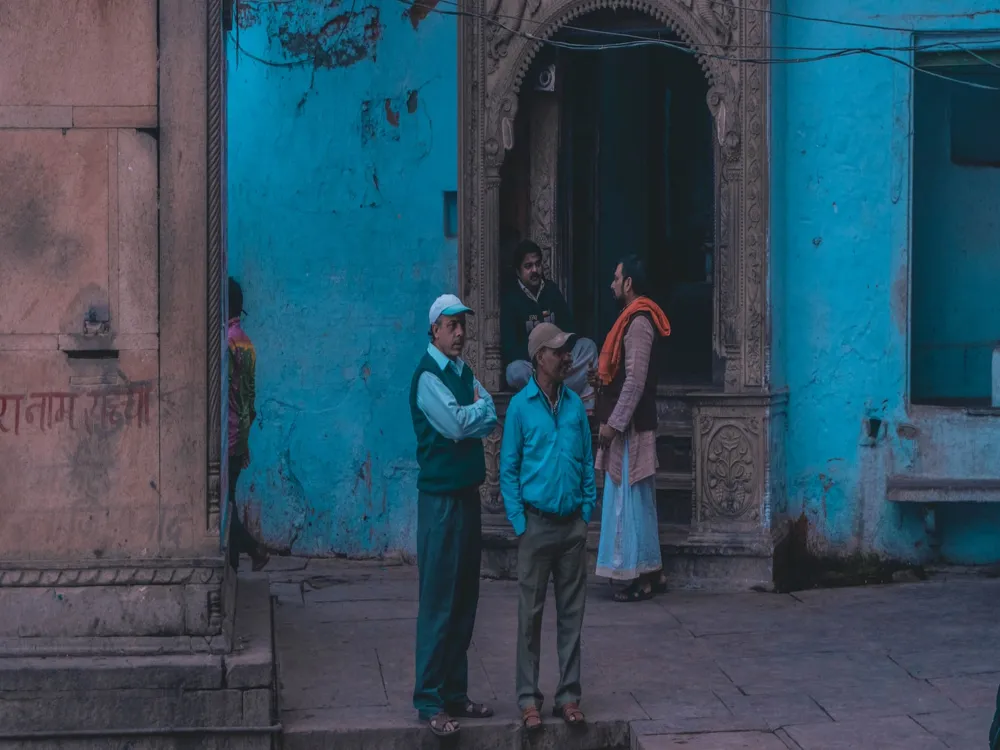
x=635, y=174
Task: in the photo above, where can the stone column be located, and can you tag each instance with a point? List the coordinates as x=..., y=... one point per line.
x=108, y=540
x=495, y=524
x=110, y=394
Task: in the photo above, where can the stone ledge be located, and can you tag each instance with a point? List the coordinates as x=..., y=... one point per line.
x=354, y=728
x=201, y=672
x=235, y=741
x=115, y=117
x=130, y=708
x=18, y=647
x=251, y=663
x=32, y=117
x=709, y=562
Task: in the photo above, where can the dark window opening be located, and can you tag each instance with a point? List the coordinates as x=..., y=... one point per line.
x=955, y=264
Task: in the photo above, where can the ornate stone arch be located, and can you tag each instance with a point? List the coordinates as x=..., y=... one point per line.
x=498, y=41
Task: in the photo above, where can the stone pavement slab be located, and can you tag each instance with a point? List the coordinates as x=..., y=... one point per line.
x=902, y=666
x=714, y=741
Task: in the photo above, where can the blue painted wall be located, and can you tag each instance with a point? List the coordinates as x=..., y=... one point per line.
x=339, y=154
x=338, y=159
x=841, y=231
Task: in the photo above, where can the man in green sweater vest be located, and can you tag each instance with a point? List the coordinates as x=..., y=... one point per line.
x=452, y=413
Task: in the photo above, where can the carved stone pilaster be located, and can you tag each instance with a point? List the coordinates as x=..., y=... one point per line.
x=216, y=261
x=734, y=437
x=544, y=129
x=489, y=315
x=492, y=502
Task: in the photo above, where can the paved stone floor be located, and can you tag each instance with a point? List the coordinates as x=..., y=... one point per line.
x=912, y=666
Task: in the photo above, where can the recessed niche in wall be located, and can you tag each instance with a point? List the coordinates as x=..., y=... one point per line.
x=451, y=214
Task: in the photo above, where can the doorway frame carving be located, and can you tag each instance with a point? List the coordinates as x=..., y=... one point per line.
x=498, y=41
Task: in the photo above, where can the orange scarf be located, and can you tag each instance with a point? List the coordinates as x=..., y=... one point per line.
x=611, y=353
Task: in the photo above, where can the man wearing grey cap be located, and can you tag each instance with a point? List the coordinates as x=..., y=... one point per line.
x=547, y=483
x=452, y=413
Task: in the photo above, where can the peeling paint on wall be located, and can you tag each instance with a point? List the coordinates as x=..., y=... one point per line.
x=418, y=11
x=341, y=41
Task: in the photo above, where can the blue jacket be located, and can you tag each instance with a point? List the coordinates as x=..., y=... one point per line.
x=547, y=457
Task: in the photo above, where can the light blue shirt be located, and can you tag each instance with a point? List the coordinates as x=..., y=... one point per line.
x=546, y=457
x=442, y=409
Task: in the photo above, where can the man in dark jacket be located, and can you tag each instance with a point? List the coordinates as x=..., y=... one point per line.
x=533, y=300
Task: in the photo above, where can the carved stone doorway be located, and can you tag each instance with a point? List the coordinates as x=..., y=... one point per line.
x=736, y=430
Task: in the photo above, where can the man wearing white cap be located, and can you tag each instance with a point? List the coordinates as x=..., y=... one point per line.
x=452, y=413
x=547, y=483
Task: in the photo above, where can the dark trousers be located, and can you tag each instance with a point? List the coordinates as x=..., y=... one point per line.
x=449, y=545
x=557, y=550
x=240, y=541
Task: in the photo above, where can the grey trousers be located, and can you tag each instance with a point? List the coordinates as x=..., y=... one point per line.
x=548, y=549
x=585, y=353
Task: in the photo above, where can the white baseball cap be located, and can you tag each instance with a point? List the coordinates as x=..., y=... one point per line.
x=447, y=304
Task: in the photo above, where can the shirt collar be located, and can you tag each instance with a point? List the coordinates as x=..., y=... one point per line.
x=533, y=391
x=532, y=297
x=442, y=361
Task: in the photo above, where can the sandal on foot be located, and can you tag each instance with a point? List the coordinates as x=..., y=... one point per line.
x=633, y=593
x=570, y=713
x=660, y=585
x=442, y=725
x=471, y=710
x=531, y=720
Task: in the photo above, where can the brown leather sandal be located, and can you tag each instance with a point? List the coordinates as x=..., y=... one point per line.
x=570, y=713
x=531, y=719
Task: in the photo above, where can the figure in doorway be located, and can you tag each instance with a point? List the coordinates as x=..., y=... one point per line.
x=547, y=427
x=452, y=413
x=529, y=302
x=242, y=365
x=629, y=549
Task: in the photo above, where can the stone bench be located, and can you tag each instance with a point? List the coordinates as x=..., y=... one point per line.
x=930, y=492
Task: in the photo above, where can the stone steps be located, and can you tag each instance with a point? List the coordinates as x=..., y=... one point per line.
x=83, y=702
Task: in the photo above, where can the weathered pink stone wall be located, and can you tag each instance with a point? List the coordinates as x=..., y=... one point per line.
x=79, y=160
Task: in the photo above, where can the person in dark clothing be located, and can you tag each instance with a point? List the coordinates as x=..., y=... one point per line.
x=533, y=300
x=242, y=364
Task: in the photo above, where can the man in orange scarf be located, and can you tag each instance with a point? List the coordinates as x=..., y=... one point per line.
x=629, y=549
